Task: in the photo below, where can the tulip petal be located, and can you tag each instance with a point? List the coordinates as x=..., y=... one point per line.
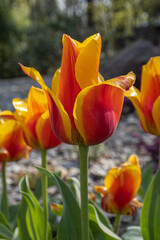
x=123, y=183
x=134, y=95
x=150, y=83
x=33, y=73
x=97, y=111
x=20, y=107
x=124, y=82
x=55, y=81
x=68, y=86
x=110, y=206
x=7, y=115
x=46, y=136
x=87, y=64
x=133, y=159
x=156, y=114
x=7, y=128
x=37, y=102
x=150, y=91
x=28, y=124
x=59, y=118
x=100, y=189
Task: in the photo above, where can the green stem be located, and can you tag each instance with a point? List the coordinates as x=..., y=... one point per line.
x=84, y=190
x=159, y=153
x=117, y=222
x=44, y=193
x=4, y=196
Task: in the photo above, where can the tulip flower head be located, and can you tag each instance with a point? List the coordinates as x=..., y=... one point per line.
x=121, y=186
x=147, y=100
x=84, y=109
x=33, y=115
x=12, y=143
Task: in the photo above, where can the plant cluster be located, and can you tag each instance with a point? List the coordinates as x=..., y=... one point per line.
x=83, y=109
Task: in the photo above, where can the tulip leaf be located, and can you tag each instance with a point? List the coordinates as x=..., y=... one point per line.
x=38, y=189
x=69, y=227
x=99, y=230
x=5, y=232
x=13, y=214
x=16, y=234
x=147, y=175
x=4, y=221
x=34, y=213
x=98, y=234
x=132, y=233
x=150, y=216
x=75, y=187
x=23, y=231
x=102, y=216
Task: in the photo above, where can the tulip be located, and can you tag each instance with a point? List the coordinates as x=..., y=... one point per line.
x=12, y=148
x=147, y=100
x=33, y=114
x=84, y=109
x=120, y=188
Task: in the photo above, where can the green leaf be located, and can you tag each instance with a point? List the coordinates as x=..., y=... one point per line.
x=16, y=234
x=38, y=189
x=147, y=175
x=102, y=216
x=150, y=215
x=4, y=221
x=132, y=233
x=69, y=227
x=75, y=187
x=96, y=229
x=99, y=230
x=34, y=213
x=23, y=231
x=13, y=214
x=5, y=232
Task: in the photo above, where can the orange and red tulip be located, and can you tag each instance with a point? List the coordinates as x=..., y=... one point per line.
x=12, y=143
x=121, y=186
x=84, y=109
x=147, y=100
x=33, y=115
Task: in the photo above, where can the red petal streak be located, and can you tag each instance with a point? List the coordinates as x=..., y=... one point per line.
x=31, y=124
x=68, y=86
x=15, y=144
x=123, y=189
x=56, y=120
x=48, y=137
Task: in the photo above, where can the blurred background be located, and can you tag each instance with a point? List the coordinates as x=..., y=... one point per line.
x=31, y=33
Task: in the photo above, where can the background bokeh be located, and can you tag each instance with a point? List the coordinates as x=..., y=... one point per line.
x=31, y=30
